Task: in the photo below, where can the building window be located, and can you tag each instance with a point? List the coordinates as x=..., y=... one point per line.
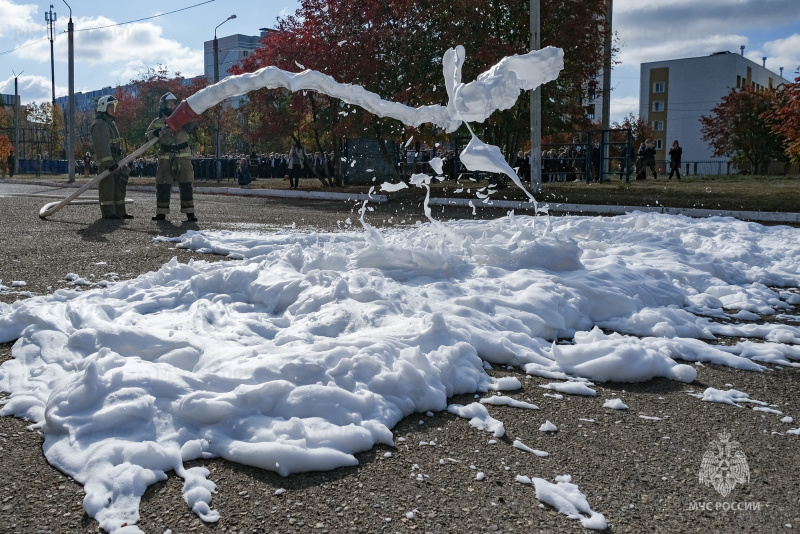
x=738, y=82
x=658, y=87
x=658, y=126
x=244, y=53
x=659, y=145
x=658, y=105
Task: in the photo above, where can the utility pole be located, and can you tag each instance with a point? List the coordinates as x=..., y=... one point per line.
x=607, y=67
x=16, y=122
x=71, y=101
x=606, y=119
x=536, y=109
x=50, y=18
x=217, y=164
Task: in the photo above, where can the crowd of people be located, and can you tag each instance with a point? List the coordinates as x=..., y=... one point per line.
x=568, y=162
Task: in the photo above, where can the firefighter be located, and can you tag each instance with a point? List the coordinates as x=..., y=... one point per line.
x=108, y=150
x=174, y=161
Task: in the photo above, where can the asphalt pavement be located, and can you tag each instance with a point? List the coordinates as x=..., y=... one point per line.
x=642, y=474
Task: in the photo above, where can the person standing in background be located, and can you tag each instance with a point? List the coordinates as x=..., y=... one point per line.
x=675, y=159
x=243, y=173
x=296, y=159
x=647, y=153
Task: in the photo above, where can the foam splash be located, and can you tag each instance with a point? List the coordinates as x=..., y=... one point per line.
x=496, y=89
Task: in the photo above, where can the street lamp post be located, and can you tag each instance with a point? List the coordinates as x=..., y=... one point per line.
x=71, y=101
x=217, y=164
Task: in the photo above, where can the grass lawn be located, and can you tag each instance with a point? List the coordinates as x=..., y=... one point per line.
x=738, y=193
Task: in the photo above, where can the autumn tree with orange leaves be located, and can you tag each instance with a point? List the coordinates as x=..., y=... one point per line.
x=737, y=128
x=785, y=118
x=139, y=101
x=394, y=48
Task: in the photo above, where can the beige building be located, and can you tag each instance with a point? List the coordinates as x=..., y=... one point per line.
x=675, y=94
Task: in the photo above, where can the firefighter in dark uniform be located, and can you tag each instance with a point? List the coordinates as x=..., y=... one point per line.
x=108, y=151
x=174, y=161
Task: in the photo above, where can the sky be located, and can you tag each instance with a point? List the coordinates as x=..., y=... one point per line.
x=648, y=30
x=307, y=347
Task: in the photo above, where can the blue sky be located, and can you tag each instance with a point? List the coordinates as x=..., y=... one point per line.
x=648, y=30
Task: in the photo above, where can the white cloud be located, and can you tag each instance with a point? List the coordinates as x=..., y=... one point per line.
x=622, y=107
x=122, y=51
x=653, y=30
x=706, y=16
x=31, y=88
x=663, y=49
x=781, y=53
x=18, y=20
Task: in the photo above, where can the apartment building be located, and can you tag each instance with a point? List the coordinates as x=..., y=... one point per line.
x=232, y=49
x=674, y=94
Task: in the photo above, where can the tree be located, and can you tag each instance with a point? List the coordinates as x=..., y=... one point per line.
x=6, y=117
x=640, y=128
x=139, y=101
x=83, y=124
x=737, y=129
x=395, y=48
x=6, y=149
x=47, y=124
x=785, y=117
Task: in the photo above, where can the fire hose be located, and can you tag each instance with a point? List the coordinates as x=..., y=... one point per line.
x=49, y=209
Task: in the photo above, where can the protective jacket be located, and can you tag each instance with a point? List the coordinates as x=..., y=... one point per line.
x=108, y=151
x=174, y=165
x=170, y=143
x=106, y=140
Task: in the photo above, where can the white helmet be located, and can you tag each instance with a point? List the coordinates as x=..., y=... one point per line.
x=105, y=101
x=162, y=104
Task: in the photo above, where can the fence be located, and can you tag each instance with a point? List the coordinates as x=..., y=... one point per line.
x=365, y=160
x=718, y=167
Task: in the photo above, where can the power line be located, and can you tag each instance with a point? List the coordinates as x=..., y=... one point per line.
x=146, y=18
x=108, y=26
x=26, y=45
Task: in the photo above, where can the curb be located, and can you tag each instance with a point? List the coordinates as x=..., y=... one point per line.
x=573, y=209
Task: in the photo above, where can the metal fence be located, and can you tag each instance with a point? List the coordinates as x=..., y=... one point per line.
x=719, y=167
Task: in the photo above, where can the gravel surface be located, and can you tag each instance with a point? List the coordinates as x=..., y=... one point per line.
x=642, y=474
